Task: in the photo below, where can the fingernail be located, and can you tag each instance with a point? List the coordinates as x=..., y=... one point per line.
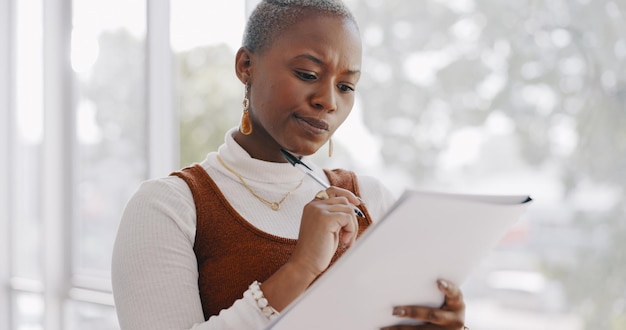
x=443, y=284
x=399, y=311
x=360, y=200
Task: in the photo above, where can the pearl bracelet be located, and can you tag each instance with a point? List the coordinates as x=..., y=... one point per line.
x=254, y=290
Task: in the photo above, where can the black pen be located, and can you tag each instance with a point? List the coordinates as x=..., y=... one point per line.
x=296, y=162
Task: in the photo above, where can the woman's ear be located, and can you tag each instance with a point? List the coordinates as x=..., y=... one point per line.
x=243, y=63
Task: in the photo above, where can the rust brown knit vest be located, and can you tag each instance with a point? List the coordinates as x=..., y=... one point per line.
x=231, y=252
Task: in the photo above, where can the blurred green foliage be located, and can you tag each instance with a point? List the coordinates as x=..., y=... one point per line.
x=209, y=99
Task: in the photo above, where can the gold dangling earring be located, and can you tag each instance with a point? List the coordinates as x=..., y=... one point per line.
x=246, y=124
x=330, y=147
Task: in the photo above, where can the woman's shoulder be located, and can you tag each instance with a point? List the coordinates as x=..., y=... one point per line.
x=169, y=187
x=162, y=200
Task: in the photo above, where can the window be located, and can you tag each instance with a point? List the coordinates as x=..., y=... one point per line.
x=76, y=148
x=81, y=132
x=110, y=145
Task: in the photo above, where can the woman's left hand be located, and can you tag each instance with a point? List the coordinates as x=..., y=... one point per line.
x=450, y=316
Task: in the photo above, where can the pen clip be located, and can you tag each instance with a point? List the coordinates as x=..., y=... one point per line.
x=293, y=160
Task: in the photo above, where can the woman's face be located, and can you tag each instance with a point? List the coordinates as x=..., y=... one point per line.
x=301, y=87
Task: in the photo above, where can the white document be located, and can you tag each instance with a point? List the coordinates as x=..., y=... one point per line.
x=397, y=261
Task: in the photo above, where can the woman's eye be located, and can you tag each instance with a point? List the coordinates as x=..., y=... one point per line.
x=306, y=76
x=346, y=88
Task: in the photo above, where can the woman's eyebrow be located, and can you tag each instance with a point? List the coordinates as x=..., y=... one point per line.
x=311, y=58
x=320, y=62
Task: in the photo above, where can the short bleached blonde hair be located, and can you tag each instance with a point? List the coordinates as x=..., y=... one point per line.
x=271, y=17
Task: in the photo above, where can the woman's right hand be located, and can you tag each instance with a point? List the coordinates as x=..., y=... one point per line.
x=326, y=224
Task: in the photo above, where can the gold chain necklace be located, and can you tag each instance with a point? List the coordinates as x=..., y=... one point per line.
x=274, y=205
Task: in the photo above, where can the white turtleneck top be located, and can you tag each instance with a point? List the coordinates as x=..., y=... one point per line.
x=154, y=267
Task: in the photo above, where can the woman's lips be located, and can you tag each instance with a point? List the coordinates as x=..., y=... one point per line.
x=313, y=125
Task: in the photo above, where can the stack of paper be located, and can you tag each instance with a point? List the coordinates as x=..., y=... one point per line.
x=397, y=261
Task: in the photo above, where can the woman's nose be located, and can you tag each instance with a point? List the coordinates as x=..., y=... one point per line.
x=324, y=98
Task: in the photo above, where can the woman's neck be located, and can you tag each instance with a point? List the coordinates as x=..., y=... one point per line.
x=258, y=149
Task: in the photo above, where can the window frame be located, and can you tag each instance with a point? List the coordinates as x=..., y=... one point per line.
x=163, y=135
x=58, y=155
x=6, y=76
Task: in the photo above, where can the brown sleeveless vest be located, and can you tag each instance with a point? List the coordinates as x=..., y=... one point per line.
x=232, y=253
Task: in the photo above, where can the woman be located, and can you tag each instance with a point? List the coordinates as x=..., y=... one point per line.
x=193, y=247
